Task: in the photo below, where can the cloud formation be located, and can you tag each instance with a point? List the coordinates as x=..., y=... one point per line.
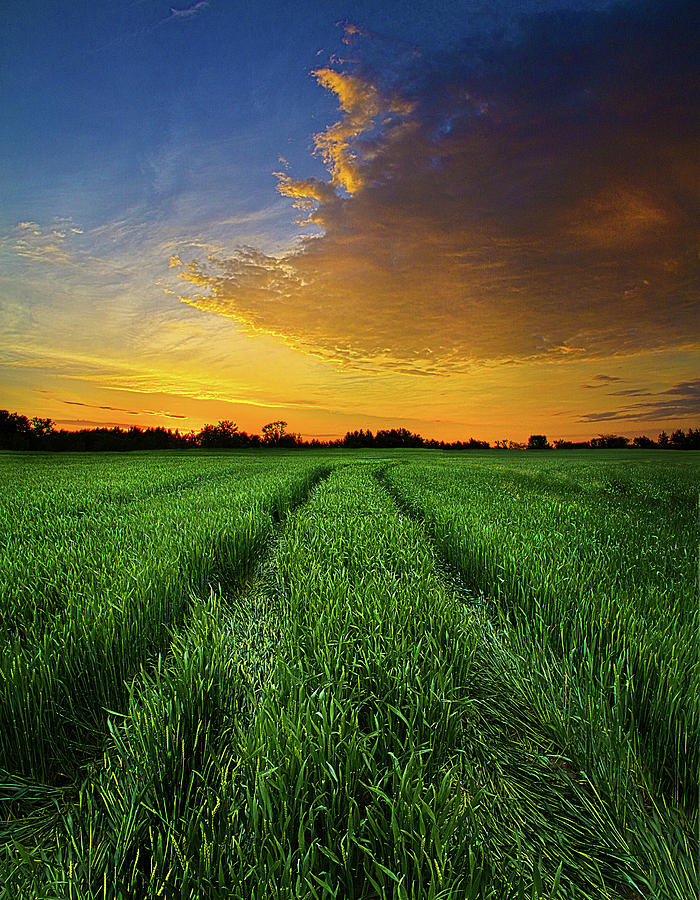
x=130, y=412
x=601, y=381
x=189, y=10
x=679, y=403
x=44, y=244
x=533, y=195
x=174, y=15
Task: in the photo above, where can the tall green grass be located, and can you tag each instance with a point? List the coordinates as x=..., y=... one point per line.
x=339, y=730
x=333, y=712
x=93, y=581
x=592, y=570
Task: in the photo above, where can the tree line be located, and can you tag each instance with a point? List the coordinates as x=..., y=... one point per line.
x=18, y=432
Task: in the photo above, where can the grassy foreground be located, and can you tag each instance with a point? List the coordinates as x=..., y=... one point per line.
x=349, y=675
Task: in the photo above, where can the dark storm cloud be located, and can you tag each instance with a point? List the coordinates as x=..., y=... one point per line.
x=533, y=194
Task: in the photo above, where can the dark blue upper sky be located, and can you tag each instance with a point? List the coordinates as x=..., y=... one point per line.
x=97, y=95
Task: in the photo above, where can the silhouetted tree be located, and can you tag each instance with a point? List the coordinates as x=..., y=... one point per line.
x=397, y=437
x=15, y=431
x=680, y=440
x=223, y=435
x=572, y=445
x=609, y=442
x=273, y=433
x=42, y=427
x=471, y=444
x=359, y=438
x=643, y=442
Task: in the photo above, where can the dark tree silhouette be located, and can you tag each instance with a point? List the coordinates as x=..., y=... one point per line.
x=273, y=433
x=689, y=440
x=609, y=442
x=17, y=432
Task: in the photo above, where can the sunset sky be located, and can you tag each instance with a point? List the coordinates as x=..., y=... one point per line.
x=475, y=218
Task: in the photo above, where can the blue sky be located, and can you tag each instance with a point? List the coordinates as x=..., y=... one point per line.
x=501, y=203
x=109, y=107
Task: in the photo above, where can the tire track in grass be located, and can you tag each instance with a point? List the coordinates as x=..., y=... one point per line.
x=150, y=803
x=52, y=700
x=357, y=797
x=300, y=799
x=236, y=626
x=360, y=765
x=369, y=768
x=606, y=582
x=524, y=701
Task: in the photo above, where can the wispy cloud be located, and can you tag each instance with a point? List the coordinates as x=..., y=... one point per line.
x=77, y=424
x=140, y=377
x=130, y=412
x=602, y=381
x=524, y=198
x=174, y=15
x=629, y=392
x=678, y=403
x=44, y=244
x=188, y=11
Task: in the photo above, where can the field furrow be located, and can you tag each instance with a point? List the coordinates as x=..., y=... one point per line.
x=361, y=677
x=582, y=588
x=87, y=601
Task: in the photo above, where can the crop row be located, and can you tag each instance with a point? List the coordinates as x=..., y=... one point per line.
x=348, y=720
x=593, y=577
x=88, y=599
x=346, y=728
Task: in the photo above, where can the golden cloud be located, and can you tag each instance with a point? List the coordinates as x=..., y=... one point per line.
x=462, y=227
x=622, y=217
x=44, y=245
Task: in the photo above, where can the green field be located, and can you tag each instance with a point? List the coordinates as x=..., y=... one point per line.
x=398, y=674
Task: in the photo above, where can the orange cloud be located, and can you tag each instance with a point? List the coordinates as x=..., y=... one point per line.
x=621, y=217
x=42, y=244
x=308, y=194
x=360, y=103
x=363, y=107
x=468, y=221
x=352, y=31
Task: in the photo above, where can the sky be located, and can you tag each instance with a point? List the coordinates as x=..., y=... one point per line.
x=475, y=218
